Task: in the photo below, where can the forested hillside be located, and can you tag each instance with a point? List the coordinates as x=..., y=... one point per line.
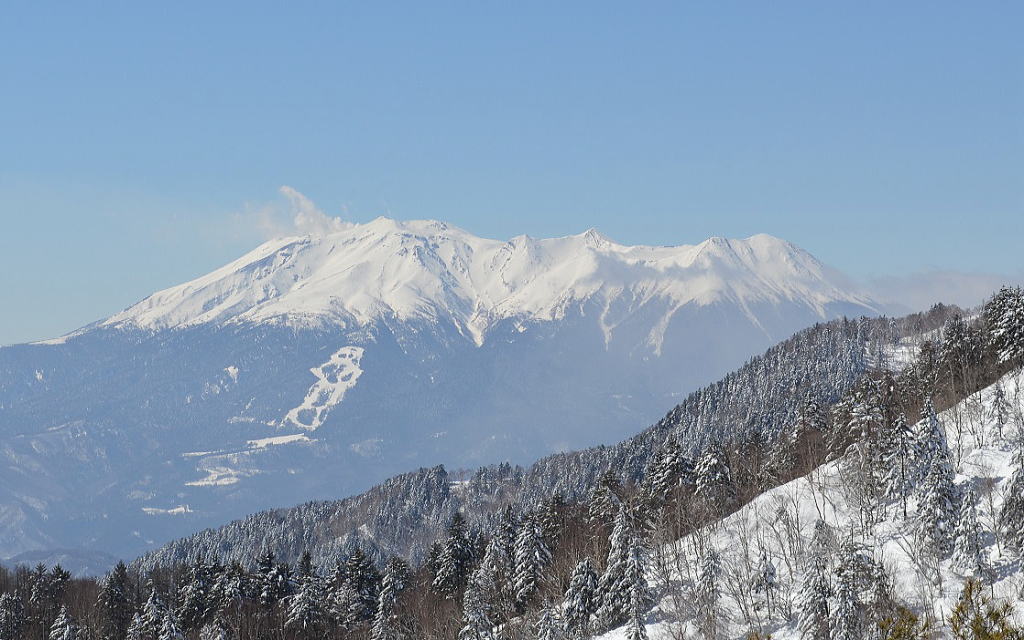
x=404, y=515
x=892, y=508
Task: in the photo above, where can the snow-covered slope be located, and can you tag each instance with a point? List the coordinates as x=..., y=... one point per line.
x=429, y=270
x=780, y=524
x=316, y=366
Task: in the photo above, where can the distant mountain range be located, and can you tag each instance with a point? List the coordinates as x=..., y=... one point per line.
x=316, y=366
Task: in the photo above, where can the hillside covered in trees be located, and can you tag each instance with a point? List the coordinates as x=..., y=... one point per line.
x=861, y=480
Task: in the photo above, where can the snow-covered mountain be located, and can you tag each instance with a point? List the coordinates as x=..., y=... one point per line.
x=315, y=366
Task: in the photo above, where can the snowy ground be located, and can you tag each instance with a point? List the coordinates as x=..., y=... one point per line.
x=781, y=522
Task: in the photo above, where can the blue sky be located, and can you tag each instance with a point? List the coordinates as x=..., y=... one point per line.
x=139, y=142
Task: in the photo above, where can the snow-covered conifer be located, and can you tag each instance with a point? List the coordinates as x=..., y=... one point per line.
x=899, y=461
x=531, y=558
x=638, y=591
x=605, y=499
x=580, y=599
x=812, y=602
x=707, y=594
x=455, y=558
x=12, y=616
x=969, y=555
x=478, y=606
x=612, y=589
x=714, y=482
x=63, y=627
x=306, y=607
x=937, y=509
x=548, y=626
x=1011, y=516
x=170, y=628
x=386, y=624
x=114, y=604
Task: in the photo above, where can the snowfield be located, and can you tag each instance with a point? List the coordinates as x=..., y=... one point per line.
x=781, y=523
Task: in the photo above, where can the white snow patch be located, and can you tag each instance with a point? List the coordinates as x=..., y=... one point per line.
x=334, y=378
x=181, y=509
x=263, y=443
x=232, y=371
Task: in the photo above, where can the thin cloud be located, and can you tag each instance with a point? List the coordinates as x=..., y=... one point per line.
x=919, y=291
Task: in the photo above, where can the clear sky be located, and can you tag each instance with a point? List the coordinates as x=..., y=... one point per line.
x=140, y=142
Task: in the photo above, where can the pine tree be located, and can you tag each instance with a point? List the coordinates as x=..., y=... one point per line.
x=612, y=590
x=715, y=487
x=386, y=624
x=153, y=614
x=640, y=599
x=937, y=510
x=12, y=616
x=196, y=596
x=605, y=499
x=1004, y=315
x=531, y=557
x=671, y=469
x=215, y=630
x=273, y=579
x=64, y=627
x=137, y=629
x=364, y=580
x=114, y=604
x=170, y=628
x=969, y=556
x=847, y=623
x=580, y=599
x=899, y=462
x=1011, y=516
x=477, y=606
x=454, y=562
x=812, y=602
x=765, y=582
x=548, y=625
x=707, y=594
x=306, y=608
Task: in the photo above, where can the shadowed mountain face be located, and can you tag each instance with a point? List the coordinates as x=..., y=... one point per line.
x=315, y=367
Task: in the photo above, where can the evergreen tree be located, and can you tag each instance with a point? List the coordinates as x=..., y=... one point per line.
x=196, y=597
x=937, y=510
x=671, y=469
x=386, y=624
x=969, y=556
x=1004, y=315
x=273, y=579
x=531, y=557
x=715, y=487
x=707, y=593
x=215, y=630
x=548, y=625
x=64, y=627
x=153, y=614
x=765, y=581
x=1011, y=516
x=899, y=462
x=640, y=599
x=306, y=608
x=137, y=628
x=612, y=589
x=170, y=628
x=812, y=602
x=364, y=580
x=605, y=499
x=12, y=616
x=477, y=606
x=580, y=599
x=115, y=604
x=847, y=623
x=455, y=559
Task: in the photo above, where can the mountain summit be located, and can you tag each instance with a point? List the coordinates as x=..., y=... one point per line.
x=318, y=365
x=431, y=271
